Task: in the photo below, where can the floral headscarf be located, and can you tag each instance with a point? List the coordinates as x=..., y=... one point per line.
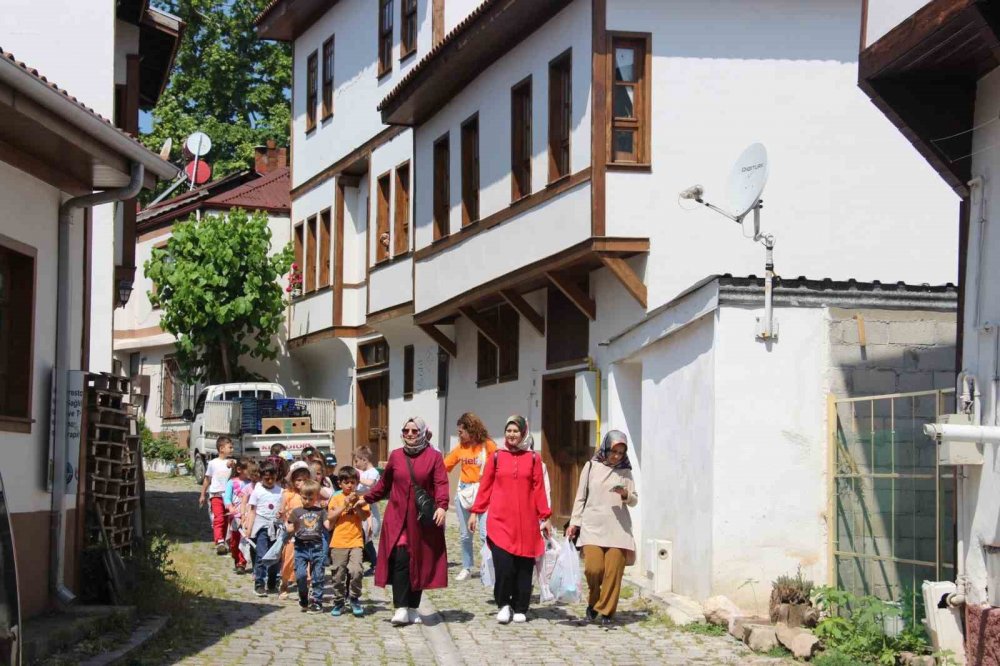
x=423, y=440
x=604, y=451
x=527, y=441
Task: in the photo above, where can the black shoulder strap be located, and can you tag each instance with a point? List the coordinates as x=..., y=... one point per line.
x=413, y=478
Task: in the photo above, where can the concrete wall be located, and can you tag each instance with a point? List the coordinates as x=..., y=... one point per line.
x=728, y=73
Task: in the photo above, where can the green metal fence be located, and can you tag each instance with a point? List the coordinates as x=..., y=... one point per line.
x=893, y=505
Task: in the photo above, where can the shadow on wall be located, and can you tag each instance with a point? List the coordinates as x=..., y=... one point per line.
x=325, y=370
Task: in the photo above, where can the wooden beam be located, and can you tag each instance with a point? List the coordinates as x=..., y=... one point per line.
x=486, y=328
x=582, y=301
x=633, y=283
x=440, y=338
x=524, y=309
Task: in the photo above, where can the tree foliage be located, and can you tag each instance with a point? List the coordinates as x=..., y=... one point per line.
x=226, y=82
x=217, y=284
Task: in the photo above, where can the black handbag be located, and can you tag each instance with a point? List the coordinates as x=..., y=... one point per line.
x=422, y=498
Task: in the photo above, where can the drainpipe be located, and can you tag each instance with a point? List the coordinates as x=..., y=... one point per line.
x=57, y=541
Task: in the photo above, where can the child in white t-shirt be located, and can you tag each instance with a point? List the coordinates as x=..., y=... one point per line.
x=264, y=502
x=369, y=477
x=216, y=476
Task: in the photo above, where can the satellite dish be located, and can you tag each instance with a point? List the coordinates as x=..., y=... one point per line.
x=747, y=180
x=198, y=144
x=198, y=172
x=165, y=150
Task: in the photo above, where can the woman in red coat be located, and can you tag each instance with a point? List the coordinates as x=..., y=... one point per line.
x=513, y=491
x=411, y=556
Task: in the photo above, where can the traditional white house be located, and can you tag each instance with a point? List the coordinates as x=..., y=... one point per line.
x=59, y=158
x=512, y=221
x=932, y=69
x=143, y=348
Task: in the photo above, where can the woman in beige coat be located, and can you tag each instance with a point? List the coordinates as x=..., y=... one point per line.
x=602, y=526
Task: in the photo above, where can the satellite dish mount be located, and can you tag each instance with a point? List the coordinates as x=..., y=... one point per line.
x=746, y=185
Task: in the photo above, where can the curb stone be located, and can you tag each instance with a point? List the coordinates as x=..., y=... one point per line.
x=147, y=630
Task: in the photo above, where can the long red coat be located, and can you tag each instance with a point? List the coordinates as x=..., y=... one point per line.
x=513, y=491
x=428, y=556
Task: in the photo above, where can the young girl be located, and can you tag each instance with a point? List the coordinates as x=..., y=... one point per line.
x=369, y=477
x=291, y=499
x=233, y=501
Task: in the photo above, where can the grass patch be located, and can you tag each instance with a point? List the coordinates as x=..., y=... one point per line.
x=106, y=634
x=778, y=651
x=627, y=592
x=704, y=629
x=655, y=617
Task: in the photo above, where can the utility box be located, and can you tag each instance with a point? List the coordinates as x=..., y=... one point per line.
x=140, y=385
x=951, y=452
x=660, y=565
x=586, y=396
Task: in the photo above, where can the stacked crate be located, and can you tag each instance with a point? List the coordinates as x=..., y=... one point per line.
x=112, y=462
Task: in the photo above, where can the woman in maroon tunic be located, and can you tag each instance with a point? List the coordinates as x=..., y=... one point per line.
x=411, y=556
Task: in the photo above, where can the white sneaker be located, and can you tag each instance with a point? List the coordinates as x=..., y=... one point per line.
x=462, y=575
x=520, y=617
x=401, y=617
x=414, y=616
x=503, y=617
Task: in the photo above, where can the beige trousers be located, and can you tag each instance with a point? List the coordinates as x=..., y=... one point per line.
x=603, y=568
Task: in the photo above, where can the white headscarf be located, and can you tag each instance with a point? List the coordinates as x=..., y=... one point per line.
x=423, y=440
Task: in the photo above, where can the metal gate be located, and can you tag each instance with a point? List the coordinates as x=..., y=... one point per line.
x=893, y=505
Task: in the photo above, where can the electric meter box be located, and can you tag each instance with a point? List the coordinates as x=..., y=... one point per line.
x=586, y=396
x=951, y=452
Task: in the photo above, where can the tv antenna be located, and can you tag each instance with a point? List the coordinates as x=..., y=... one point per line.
x=747, y=179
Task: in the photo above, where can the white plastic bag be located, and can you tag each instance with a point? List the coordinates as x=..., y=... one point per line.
x=565, y=580
x=273, y=554
x=486, y=574
x=544, y=566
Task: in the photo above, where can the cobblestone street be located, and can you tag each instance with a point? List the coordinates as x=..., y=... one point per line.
x=459, y=628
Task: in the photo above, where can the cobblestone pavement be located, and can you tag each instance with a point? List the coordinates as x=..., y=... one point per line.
x=460, y=625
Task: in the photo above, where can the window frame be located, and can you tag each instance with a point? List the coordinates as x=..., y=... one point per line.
x=310, y=254
x=491, y=360
x=379, y=348
x=325, y=264
x=383, y=201
x=299, y=250
x=23, y=299
x=409, y=362
x=401, y=213
x=408, y=28
x=327, y=78
x=560, y=115
x=640, y=123
x=312, y=92
x=441, y=195
x=385, y=28
x=521, y=142
x=471, y=169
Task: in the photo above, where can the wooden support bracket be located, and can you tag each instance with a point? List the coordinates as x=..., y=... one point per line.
x=524, y=309
x=633, y=283
x=582, y=301
x=488, y=330
x=443, y=341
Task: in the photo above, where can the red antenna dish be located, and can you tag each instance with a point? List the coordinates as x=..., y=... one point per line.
x=203, y=174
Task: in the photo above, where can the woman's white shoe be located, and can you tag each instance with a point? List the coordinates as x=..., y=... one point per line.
x=401, y=617
x=520, y=617
x=503, y=617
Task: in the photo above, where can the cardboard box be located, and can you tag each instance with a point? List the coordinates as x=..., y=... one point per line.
x=285, y=425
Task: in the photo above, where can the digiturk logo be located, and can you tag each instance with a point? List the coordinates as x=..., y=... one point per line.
x=753, y=167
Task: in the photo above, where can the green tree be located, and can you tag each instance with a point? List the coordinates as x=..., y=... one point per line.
x=226, y=82
x=217, y=284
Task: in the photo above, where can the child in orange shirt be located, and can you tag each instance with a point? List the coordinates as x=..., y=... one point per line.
x=347, y=511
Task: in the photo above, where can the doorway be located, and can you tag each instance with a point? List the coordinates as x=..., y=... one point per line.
x=565, y=444
x=373, y=415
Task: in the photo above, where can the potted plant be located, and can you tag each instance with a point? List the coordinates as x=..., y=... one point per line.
x=791, y=603
x=294, y=281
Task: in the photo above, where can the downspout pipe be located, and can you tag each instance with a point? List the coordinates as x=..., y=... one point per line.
x=64, y=351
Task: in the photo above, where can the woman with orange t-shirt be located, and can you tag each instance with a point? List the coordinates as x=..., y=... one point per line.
x=474, y=447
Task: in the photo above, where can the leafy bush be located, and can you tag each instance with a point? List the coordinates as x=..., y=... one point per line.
x=854, y=630
x=158, y=448
x=791, y=589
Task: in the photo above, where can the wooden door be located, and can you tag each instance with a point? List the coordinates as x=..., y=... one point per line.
x=373, y=415
x=566, y=445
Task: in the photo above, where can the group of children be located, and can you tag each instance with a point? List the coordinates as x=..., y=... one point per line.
x=314, y=513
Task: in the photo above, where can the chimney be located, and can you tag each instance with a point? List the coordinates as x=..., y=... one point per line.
x=270, y=157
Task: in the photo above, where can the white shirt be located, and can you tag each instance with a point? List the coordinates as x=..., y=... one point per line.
x=266, y=502
x=369, y=478
x=219, y=471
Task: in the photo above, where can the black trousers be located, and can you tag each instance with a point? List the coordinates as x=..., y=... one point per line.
x=399, y=577
x=513, y=579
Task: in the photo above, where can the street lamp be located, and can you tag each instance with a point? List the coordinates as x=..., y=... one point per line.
x=124, y=292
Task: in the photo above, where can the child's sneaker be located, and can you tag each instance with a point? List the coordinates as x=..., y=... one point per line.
x=303, y=607
x=221, y=548
x=462, y=575
x=315, y=607
x=337, y=610
x=414, y=616
x=356, y=608
x=240, y=570
x=259, y=590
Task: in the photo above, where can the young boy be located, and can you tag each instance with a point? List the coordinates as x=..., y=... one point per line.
x=369, y=477
x=346, y=512
x=264, y=502
x=216, y=476
x=305, y=523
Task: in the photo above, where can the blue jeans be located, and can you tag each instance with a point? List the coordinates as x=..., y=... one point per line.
x=260, y=572
x=465, y=536
x=309, y=556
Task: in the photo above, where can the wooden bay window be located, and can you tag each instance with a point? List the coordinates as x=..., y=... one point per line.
x=442, y=187
x=629, y=102
x=312, y=81
x=520, y=140
x=327, y=78
x=470, y=170
x=560, y=115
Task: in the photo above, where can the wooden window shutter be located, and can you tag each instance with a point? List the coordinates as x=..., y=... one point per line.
x=442, y=190
x=401, y=232
x=382, y=218
x=310, y=259
x=470, y=170
x=324, y=248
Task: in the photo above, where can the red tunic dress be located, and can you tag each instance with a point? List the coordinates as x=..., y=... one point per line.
x=513, y=491
x=428, y=557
